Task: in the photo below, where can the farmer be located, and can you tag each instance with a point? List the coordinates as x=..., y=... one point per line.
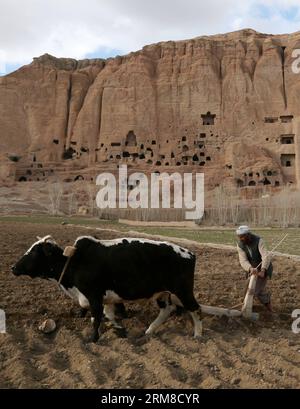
x=254, y=259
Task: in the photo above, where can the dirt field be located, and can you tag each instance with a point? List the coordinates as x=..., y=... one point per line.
x=231, y=354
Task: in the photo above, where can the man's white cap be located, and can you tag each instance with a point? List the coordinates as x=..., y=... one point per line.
x=242, y=230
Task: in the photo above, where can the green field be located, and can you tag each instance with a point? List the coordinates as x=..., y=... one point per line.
x=222, y=236
x=219, y=236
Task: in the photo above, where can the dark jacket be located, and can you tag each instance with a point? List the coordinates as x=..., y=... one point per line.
x=253, y=254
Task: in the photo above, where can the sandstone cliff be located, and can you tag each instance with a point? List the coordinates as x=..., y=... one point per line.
x=227, y=105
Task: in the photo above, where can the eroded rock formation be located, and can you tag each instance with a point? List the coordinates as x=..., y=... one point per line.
x=227, y=105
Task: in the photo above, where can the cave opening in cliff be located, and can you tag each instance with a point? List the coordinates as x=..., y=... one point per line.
x=78, y=177
x=14, y=158
x=266, y=181
x=130, y=139
x=287, y=139
x=270, y=119
x=68, y=153
x=287, y=160
x=208, y=118
x=252, y=183
x=239, y=183
x=286, y=118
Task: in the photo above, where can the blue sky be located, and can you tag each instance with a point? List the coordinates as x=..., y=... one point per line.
x=263, y=10
x=100, y=53
x=104, y=53
x=106, y=28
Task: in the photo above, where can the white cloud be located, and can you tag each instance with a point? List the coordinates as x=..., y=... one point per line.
x=76, y=28
x=237, y=23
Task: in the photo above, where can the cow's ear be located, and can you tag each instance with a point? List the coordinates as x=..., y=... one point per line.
x=47, y=249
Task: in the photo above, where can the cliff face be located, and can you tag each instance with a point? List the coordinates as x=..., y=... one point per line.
x=227, y=105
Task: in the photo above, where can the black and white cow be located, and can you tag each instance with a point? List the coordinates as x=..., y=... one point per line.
x=104, y=272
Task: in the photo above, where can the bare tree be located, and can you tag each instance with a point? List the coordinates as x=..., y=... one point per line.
x=91, y=197
x=55, y=192
x=72, y=203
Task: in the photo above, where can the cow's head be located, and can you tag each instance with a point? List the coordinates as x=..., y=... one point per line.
x=40, y=259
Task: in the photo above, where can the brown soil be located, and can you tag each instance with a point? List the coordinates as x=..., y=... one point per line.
x=232, y=353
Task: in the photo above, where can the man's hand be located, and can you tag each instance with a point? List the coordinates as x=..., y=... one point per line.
x=253, y=271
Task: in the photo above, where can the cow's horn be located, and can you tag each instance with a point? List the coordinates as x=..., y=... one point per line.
x=48, y=238
x=39, y=238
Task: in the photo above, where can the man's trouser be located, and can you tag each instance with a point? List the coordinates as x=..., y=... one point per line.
x=261, y=292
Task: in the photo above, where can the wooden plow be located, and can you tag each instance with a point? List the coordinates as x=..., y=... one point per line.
x=247, y=305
